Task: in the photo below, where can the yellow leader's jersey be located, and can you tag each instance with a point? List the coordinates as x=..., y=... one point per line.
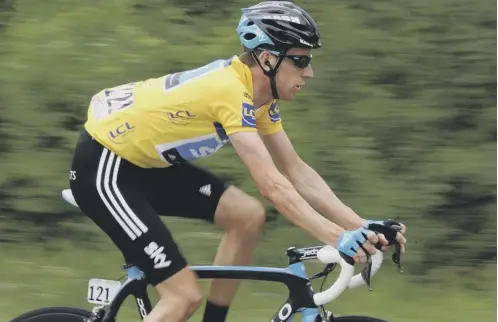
x=179, y=117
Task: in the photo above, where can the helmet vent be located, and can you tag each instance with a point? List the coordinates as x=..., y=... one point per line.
x=277, y=12
x=276, y=33
x=249, y=36
x=298, y=26
x=271, y=22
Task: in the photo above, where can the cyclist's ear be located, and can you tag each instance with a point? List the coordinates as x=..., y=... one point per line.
x=267, y=63
x=266, y=58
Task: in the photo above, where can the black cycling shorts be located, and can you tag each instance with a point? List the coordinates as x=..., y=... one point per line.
x=125, y=201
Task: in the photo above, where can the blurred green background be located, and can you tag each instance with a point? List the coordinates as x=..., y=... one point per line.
x=400, y=120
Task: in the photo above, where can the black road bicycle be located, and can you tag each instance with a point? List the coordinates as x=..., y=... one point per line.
x=109, y=295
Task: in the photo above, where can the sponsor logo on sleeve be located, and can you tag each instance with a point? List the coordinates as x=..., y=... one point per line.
x=248, y=115
x=274, y=112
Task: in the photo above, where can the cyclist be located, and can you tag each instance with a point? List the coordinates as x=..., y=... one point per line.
x=132, y=162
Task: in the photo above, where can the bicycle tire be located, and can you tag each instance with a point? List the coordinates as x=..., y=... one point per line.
x=54, y=314
x=357, y=319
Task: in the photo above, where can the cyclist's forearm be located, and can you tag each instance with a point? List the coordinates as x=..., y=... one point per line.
x=318, y=194
x=288, y=202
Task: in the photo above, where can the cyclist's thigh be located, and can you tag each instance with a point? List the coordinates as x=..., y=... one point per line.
x=185, y=190
x=108, y=190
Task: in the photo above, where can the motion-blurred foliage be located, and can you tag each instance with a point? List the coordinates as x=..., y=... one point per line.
x=400, y=118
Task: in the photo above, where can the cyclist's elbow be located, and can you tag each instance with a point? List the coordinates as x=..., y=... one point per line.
x=273, y=188
x=266, y=188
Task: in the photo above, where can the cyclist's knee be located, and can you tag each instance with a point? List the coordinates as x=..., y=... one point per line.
x=255, y=216
x=192, y=301
x=250, y=219
x=238, y=211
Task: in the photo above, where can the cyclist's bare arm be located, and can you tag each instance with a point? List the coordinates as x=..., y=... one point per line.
x=279, y=191
x=308, y=182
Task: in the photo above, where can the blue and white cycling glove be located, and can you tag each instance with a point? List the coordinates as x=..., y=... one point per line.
x=350, y=241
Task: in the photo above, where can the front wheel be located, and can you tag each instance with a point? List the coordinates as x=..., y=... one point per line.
x=356, y=319
x=54, y=314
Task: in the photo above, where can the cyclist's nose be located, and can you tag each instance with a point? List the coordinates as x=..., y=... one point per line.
x=308, y=72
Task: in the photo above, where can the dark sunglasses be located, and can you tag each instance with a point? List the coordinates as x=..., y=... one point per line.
x=300, y=61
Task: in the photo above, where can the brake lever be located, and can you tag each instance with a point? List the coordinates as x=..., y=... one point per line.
x=397, y=257
x=366, y=273
x=397, y=247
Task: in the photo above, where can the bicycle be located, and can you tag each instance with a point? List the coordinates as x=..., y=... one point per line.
x=109, y=295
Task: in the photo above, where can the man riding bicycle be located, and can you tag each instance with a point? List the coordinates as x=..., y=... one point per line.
x=132, y=161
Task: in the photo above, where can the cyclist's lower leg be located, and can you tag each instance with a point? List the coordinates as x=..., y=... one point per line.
x=180, y=297
x=243, y=218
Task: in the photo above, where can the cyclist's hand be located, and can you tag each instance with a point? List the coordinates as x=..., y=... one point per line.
x=355, y=243
x=389, y=232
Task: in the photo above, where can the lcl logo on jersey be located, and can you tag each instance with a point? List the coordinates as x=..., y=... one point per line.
x=274, y=112
x=120, y=130
x=180, y=117
x=248, y=115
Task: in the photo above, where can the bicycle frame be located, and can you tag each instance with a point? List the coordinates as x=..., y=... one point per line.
x=300, y=299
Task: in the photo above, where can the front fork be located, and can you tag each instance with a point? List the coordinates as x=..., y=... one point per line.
x=287, y=312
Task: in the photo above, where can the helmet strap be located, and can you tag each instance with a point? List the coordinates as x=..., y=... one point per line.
x=272, y=72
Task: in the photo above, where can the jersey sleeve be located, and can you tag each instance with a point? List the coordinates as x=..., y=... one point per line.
x=236, y=113
x=268, y=119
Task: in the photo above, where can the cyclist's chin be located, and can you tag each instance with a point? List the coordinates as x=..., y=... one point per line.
x=287, y=95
